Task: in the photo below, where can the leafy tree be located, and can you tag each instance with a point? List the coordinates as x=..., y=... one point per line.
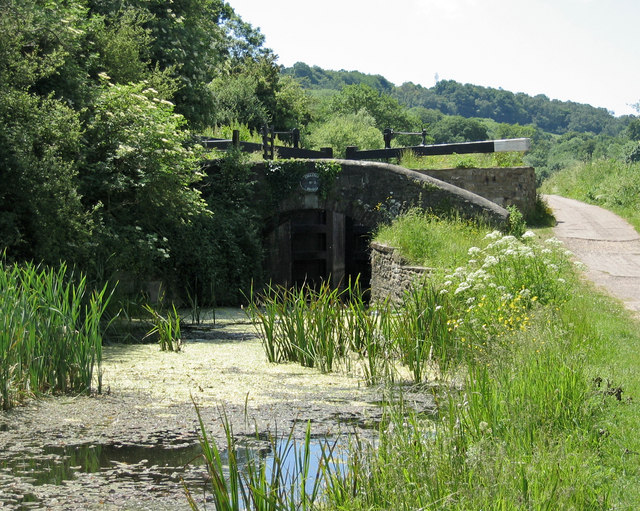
x=633, y=129
x=292, y=105
x=235, y=100
x=342, y=130
x=318, y=78
x=385, y=110
x=41, y=216
x=124, y=46
x=190, y=41
x=457, y=129
x=138, y=178
x=46, y=49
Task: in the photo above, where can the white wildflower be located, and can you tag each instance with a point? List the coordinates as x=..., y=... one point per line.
x=474, y=250
x=463, y=287
x=528, y=235
x=490, y=261
x=526, y=251
x=124, y=149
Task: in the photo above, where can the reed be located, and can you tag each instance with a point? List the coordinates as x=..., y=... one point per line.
x=167, y=328
x=285, y=481
x=368, y=334
x=302, y=325
x=50, y=333
x=421, y=330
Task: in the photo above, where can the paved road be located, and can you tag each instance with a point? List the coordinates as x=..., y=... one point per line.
x=608, y=245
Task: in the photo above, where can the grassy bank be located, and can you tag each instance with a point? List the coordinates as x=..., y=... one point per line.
x=611, y=184
x=537, y=369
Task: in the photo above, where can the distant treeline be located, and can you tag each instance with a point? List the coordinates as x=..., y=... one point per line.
x=466, y=100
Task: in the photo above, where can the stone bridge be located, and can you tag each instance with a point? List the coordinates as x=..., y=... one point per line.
x=320, y=214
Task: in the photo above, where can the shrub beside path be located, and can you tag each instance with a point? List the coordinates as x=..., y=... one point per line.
x=607, y=244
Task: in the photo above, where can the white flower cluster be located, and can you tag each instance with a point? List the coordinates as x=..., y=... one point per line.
x=508, y=266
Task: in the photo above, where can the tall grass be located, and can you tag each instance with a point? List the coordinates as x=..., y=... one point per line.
x=431, y=241
x=411, y=160
x=612, y=184
x=523, y=430
x=443, y=320
x=50, y=336
x=422, y=331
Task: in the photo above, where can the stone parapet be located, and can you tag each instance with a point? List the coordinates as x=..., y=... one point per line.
x=505, y=186
x=391, y=276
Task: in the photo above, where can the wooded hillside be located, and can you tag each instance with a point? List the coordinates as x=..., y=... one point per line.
x=452, y=98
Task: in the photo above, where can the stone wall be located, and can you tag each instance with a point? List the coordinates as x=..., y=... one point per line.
x=391, y=276
x=505, y=186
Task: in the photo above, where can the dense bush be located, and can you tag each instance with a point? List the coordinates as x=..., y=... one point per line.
x=138, y=178
x=41, y=216
x=218, y=254
x=99, y=167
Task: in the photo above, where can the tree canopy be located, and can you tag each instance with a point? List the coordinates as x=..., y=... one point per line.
x=98, y=100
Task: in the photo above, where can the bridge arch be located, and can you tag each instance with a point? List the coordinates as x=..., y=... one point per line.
x=319, y=222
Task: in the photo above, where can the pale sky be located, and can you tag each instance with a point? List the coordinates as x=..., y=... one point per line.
x=587, y=51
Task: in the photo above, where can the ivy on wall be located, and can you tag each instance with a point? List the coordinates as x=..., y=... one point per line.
x=284, y=176
x=328, y=172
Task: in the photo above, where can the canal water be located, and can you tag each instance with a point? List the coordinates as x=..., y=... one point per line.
x=145, y=477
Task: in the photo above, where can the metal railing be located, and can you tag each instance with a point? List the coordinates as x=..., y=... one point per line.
x=388, y=134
